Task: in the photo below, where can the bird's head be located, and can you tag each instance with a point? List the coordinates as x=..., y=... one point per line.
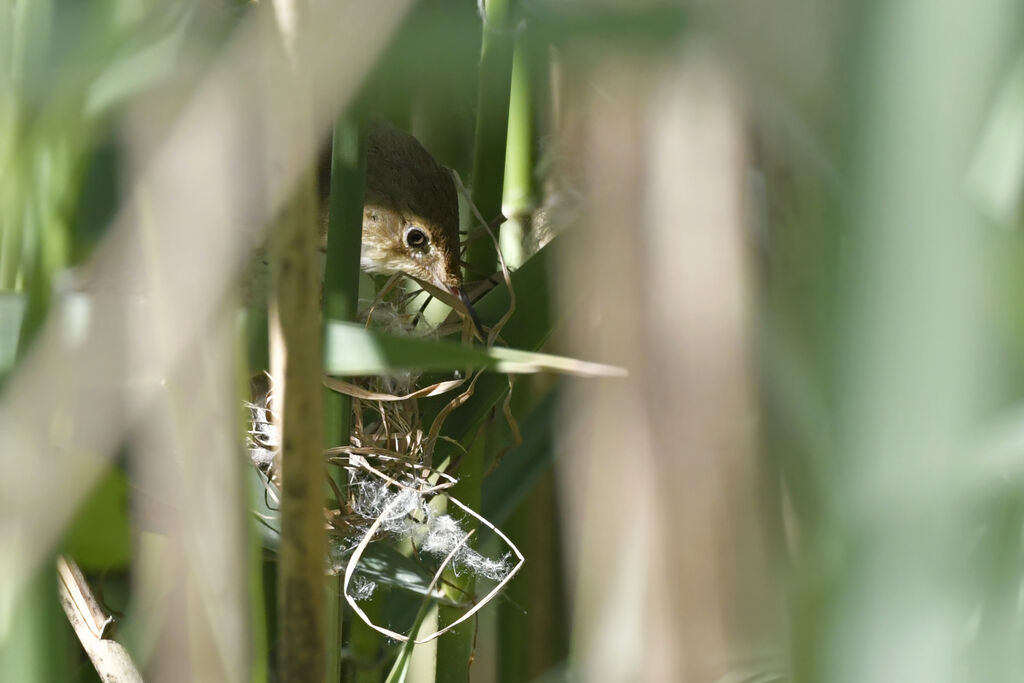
x=405, y=241
x=411, y=213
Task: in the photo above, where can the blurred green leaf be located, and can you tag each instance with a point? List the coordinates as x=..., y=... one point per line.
x=519, y=470
x=996, y=177
x=149, y=54
x=351, y=349
x=640, y=27
x=100, y=537
x=12, y=311
x=34, y=634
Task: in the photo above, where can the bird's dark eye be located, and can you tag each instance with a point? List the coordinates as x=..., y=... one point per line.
x=416, y=238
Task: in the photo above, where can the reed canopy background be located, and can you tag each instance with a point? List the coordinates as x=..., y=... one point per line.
x=748, y=402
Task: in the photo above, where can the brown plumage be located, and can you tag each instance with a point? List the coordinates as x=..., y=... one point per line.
x=406, y=190
x=410, y=212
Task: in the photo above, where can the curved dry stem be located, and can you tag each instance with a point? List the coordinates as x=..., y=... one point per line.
x=442, y=415
x=358, y=553
x=496, y=329
x=387, y=513
x=494, y=591
x=356, y=391
x=362, y=463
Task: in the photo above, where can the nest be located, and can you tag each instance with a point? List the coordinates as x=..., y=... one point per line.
x=394, y=496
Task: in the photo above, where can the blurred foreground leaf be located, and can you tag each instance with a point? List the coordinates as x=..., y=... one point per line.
x=12, y=311
x=100, y=534
x=351, y=349
x=636, y=26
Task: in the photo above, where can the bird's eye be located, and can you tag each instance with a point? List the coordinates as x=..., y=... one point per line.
x=416, y=238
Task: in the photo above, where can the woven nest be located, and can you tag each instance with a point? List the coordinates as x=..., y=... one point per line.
x=393, y=494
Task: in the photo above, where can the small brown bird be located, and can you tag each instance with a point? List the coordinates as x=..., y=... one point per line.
x=410, y=213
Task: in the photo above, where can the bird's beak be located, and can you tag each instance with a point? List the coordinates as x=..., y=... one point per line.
x=460, y=292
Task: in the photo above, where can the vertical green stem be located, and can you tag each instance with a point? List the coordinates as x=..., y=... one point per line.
x=366, y=645
x=11, y=229
x=34, y=640
x=34, y=643
x=520, y=188
x=341, y=274
x=261, y=604
x=531, y=623
x=491, y=125
x=455, y=648
x=340, y=299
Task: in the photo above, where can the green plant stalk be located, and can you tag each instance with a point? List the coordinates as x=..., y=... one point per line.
x=32, y=24
x=520, y=189
x=340, y=300
x=491, y=127
x=34, y=637
x=535, y=641
x=528, y=328
x=512, y=631
x=50, y=257
x=365, y=644
x=27, y=37
x=34, y=632
x=261, y=630
x=34, y=640
x=341, y=273
x=400, y=668
x=11, y=228
x=257, y=342
x=520, y=497
x=256, y=345
x=455, y=648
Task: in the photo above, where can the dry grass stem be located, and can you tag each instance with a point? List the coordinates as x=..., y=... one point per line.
x=90, y=623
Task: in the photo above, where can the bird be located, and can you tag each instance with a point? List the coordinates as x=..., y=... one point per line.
x=410, y=226
x=410, y=213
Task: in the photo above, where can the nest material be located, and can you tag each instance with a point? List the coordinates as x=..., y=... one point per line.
x=393, y=495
